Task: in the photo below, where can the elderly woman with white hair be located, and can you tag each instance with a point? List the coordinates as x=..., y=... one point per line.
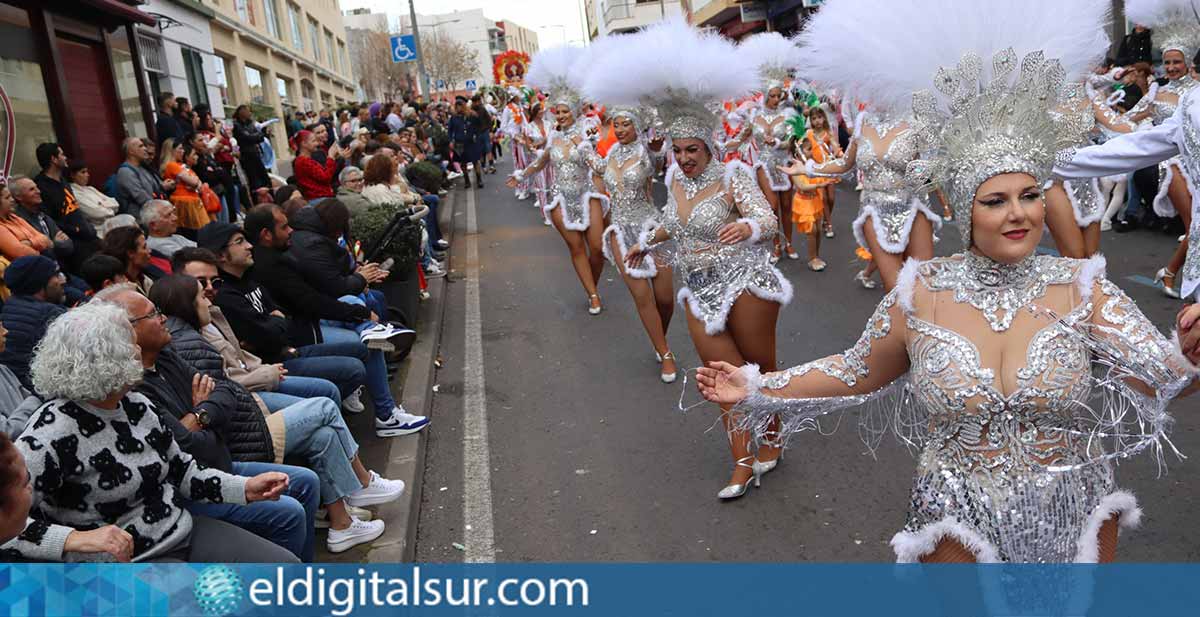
x=350, y=190
x=106, y=475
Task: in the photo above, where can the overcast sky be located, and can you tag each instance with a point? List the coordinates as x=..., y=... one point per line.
x=554, y=21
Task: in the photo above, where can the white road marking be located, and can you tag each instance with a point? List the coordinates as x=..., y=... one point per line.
x=477, y=466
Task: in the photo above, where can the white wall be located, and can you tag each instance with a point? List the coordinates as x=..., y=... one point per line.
x=194, y=33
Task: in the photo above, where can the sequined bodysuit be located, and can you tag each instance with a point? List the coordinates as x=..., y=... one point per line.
x=627, y=171
x=715, y=274
x=773, y=124
x=1163, y=108
x=572, y=178
x=889, y=206
x=1011, y=462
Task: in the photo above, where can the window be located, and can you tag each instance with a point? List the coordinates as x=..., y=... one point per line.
x=193, y=66
x=245, y=10
x=255, y=82
x=297, y=35
x=31, y=107
x=221, y=75
x=316, y=38
x=308, y=93
x=271, y=17
x=329, y=51
x=345, y=58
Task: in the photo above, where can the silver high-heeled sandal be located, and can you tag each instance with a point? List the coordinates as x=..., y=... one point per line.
x=733, y=491
x=667, y=377
x=594, y=310
x=1160, y=280
x=862, y=278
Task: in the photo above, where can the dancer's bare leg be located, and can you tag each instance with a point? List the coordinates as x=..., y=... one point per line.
x=888, y=263
x=1091, y=238
x=595, y=240
x=752, y=322
x=920, y=239
x=1182, y=200
x=721, y=347
x=664, y=295
x=644, y=300
x=784, y=199
x=577, y=245
x=772, y=198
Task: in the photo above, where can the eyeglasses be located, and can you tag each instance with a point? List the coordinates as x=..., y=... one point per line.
x=153, y=314
x=214, y=282
x=354, y=180
x=237, y=241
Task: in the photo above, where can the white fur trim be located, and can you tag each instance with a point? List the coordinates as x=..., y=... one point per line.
x=604, y=202
x=1122, y=503
x=732, y=167
x=753, y=374
x=648, y=270
x=1092, y=268
x=1162, y=200
x=810, y=167
x=785, y=186
x=556, y=201
x=669, y=177
x=896, y=248
x=906, y=284
x=755, y=230
x=717, y=324
x=1080, y=219
x=910, y=546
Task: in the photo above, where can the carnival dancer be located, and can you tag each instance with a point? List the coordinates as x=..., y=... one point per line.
x=534, y=138
x=627, y=171
x=991, y=350
x=767, y=127
x=813, y=196
x=512, y=126
x=893, y=223
x=716, y=216
x=575, y=209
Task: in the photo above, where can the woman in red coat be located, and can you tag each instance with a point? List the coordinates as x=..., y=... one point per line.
x=314, y=179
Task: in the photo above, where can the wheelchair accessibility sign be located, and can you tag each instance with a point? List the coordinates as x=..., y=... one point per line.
x=404, y=49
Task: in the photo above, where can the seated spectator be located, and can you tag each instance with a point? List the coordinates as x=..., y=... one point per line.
x=290, y=198
x=213, y=422
x=383, y=183
x=137, y=183
x=118, y=221
x=175, y=163
x=350, y=187
x=37, y=298
x=314, y=178
x=59, y=203
x=94, y=204
x=29, y=207
x=17, y=237
x=311, y=429
x=16, y=490
x=95, y=433
x=339, y=366
x=280, y=273
x=162, y=222
x=16, y=402
x=128, y=244
x=100, y=271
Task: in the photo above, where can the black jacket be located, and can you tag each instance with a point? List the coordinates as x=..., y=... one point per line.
x=1135, y=47
x=247, y=306
x=245, y=430
x=306, y=305
x=325, y=264
x=26, y=318
x=169, y=386
x=167, y=127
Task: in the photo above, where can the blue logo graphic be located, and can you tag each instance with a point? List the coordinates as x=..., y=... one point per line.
x=404, y=48
x=470, y=84
x=218, y=590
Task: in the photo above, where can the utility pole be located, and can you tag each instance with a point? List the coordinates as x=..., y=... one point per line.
x=412, y=15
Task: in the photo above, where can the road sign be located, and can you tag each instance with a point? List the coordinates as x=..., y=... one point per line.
x=441, y=84
x=470, y=85
x=404, y=49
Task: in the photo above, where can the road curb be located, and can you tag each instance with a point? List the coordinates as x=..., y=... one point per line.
x=406, y=455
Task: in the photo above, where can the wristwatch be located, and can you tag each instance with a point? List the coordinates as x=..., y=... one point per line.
x=203, y=417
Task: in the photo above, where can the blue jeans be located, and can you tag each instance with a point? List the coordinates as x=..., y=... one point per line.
x=309, y=387
x=1133, y=199
x=377, y=377
x=287, y=522
x=431, y=219
x=341, y=363
x=317, y=433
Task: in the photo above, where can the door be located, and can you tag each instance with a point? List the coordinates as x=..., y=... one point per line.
x=95, y=110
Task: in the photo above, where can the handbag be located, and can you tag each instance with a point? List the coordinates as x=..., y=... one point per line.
x=210, y=199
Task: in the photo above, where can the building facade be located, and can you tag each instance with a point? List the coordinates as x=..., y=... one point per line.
x=475, y=31
x=177, y=53
x=280, y=56
x=69, y=68
x=619, y=16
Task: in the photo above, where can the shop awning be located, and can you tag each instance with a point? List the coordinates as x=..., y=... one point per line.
x=122, y=10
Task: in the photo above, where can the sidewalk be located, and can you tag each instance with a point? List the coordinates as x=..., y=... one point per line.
x=403, y=458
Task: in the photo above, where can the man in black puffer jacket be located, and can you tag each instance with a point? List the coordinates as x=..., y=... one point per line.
x=37, y=298
x=204, y=415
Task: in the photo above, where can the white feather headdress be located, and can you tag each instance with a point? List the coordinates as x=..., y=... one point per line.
x=558, y=71
x=679, y=71
x=775, y=56
x=601, y=48
x=1176, y=23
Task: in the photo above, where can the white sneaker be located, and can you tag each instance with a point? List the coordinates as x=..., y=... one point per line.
x=400, y=423
x=353, y=403
x=322, y=518
x=442, y=244
x=376, y=337
x=359, y=532
x=454, y=175
x=380, y=490
x=433, y=271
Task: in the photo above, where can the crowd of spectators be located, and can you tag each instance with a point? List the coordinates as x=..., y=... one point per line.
x=171, y=335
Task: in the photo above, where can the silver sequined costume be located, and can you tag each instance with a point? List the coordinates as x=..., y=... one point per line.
x=1012, y=463
x=885, y=201
x=627, y=170
x=773, y=124
x=1162, y=110
x=572, y=177
x=715, y=274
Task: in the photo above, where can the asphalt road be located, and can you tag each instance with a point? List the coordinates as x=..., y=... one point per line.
x=589, y=457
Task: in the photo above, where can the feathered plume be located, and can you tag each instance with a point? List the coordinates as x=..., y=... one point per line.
x=675, y=68
x=1176, y=23
x=775, y=56
x=881, y=51
x=558, y=71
